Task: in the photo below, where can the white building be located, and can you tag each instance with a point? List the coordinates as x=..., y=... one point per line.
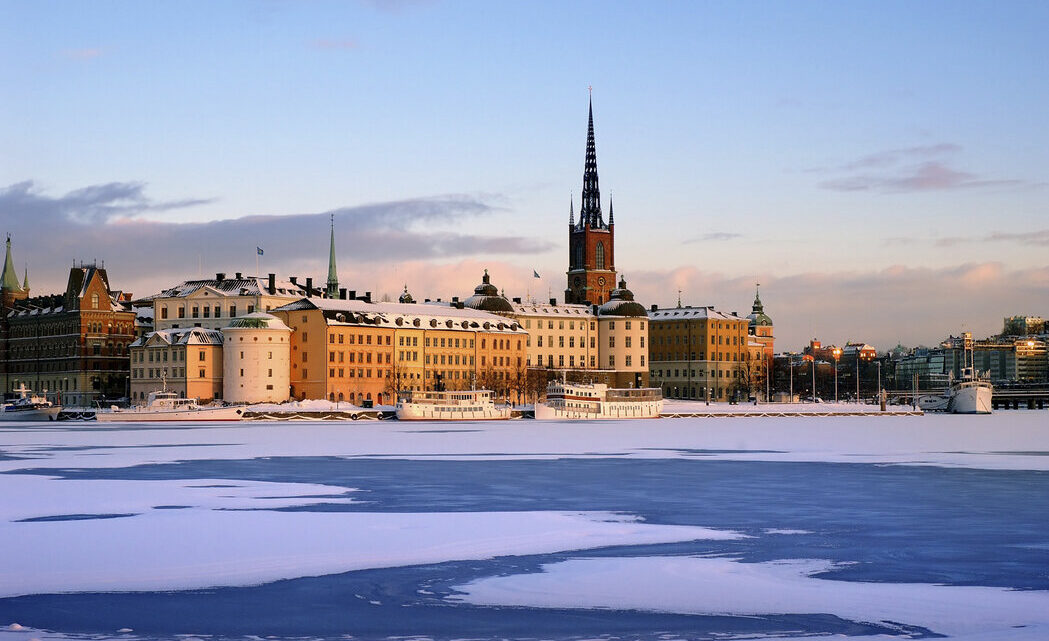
x=257, y=360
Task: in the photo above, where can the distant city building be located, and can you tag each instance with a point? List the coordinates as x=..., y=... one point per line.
x=185, y=360
x=1023, y=326
x=73, y=345
x=1004, y=359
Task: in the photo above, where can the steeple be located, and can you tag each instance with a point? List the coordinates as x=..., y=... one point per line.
x=25, y=283
x=611, y=213
x=590, y=209
x=332, y=289
x=10, y=278
x=571, y=212
x=758, y=308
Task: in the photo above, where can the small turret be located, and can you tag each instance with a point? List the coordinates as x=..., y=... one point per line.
x=9, y=282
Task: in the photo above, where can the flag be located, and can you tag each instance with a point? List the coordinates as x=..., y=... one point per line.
x=259, y=251
x=535, y=273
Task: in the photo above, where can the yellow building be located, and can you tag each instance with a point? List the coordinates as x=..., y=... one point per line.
x=700, y=353
x=356, y=351
x=605, y=344
x=187, y=361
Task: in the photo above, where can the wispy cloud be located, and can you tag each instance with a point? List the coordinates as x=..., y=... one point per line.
x=904, y=304
x=1035, y=238
x=713, y=236
x=909, y=169
x=104, y=221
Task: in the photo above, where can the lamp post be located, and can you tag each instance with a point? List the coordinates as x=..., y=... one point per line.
x=813, y=366
x=879, y=381
x=857, y=375
x=791, y=365
x=837, y=355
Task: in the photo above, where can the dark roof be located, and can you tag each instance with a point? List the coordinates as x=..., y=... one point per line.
x=621, y=303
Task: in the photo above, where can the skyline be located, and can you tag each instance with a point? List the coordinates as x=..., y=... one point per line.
x=887, y=193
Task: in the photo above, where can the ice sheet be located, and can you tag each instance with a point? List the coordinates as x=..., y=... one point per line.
x=725, y=586
x=165, y=550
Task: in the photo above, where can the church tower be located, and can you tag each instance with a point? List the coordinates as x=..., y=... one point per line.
x=591, y=241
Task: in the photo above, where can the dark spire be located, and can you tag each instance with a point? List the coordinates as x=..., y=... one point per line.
x=611, y=213
x=758, y=308
x=590, y=209
x=333, y=276
x=571, y=211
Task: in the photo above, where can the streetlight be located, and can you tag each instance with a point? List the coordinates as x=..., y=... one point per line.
x=813, y=366
x=879, y=380
x=790, y=362
x=837, y=355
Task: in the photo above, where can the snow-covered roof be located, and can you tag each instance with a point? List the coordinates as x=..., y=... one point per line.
x=424, y=316
x=257, y=320
x=682, y=313
x=560, y=311
x=180, y=336
x=244, y=286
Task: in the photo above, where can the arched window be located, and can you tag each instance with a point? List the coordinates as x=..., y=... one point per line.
x=577, y=253
x=94, y=301
x=599, y=256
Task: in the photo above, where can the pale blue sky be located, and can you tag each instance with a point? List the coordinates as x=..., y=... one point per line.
x=880, y=153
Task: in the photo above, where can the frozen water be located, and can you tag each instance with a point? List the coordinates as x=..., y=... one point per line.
x=894, y=527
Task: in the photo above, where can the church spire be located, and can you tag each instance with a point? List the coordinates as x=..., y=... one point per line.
x=571, y=211
x=10, y=278
x=611, y=213
x=25, y=282
x=590, y=209
x=333, y=276
x=758, y=307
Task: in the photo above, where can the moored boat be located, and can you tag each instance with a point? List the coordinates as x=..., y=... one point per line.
x=969, y=394
x=167, y=406
x=578, y=401
x=29, y=407
x=463, y=405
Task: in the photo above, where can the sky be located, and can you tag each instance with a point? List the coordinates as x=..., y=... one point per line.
x=879, y=168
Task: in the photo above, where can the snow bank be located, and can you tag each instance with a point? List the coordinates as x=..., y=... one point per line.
x=165, y=550
x=1004, y=440
x=715, y=586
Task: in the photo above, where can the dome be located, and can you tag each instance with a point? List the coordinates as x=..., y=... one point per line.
x=757, y=316
x=406, y=297
x=621, y=303
x=486, y=297
x=257, y=320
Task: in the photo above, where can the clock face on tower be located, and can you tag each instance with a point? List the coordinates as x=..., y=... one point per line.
x=578, y=281
x=601, y=280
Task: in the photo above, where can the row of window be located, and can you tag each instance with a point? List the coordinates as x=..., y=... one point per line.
x=206, y=311
x=684, y=373
x=714, y=356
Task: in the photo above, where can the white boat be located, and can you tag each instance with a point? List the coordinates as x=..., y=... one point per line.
x=29, y=407
x=464, y=405
x=579, y=401
x=167, y=406
x=967, y=395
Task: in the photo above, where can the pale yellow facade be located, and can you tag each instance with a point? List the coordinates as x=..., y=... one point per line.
x=187, y=361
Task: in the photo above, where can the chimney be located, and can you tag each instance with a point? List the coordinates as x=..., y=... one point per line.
x=594, y=309
x=353, y=294
x=553, y=301
x=220, y=277
x=457, y=304
x=309, y=287
x=239, y=276
x=367, y=297
x=455, y=299
x=517, y=300
x=342, y=293
x=273, y=284
x=654, y=307
x=427, y=300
